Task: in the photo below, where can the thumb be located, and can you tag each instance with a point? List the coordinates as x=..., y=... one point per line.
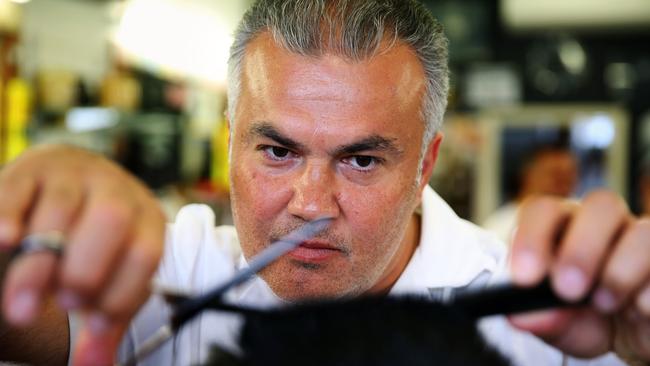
x=545, y=324
x=98, y=341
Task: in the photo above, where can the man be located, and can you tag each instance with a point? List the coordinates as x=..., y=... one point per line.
x=335, y=107
x=548, y=170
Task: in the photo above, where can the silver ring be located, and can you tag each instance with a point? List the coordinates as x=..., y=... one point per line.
x=51, y=242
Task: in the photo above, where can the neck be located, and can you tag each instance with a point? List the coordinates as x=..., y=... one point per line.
x=401, y=259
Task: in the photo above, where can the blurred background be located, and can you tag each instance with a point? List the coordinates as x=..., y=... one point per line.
x=547, y=96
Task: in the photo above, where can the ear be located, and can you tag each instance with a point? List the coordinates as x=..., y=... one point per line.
x=429, y=160
x=226, y=118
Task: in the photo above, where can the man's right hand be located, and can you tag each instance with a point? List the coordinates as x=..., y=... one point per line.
x=114, y=232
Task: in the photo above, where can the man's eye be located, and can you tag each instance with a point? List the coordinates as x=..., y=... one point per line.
x=362, y=162
x=276, y=152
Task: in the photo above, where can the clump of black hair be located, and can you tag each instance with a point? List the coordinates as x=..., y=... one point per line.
x=361, y=332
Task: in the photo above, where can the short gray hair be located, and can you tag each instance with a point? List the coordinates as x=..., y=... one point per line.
x=353, y=29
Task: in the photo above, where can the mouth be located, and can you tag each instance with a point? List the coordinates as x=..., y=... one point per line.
x=314, y=251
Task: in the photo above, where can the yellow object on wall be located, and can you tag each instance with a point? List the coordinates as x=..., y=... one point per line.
x=19, y=97
x=220, y=157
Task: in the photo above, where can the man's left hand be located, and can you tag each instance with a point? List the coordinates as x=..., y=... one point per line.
x=596, y=247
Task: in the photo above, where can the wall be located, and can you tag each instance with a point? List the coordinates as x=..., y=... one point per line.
x=66, y=35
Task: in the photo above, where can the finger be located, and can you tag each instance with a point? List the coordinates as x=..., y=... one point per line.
x=17, y=193
x=595, y=226
x=587, y=335
x=540, y=221
x=96, y=241
x=129, y=287
x=633, y=334
x=640, y=339
x=548, y=323
x=98, y=348
x=580, y=332
x=627, y=268
x=58, y=202
x=26, y=283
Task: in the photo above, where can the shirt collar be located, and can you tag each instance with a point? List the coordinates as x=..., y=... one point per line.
x=451, y=253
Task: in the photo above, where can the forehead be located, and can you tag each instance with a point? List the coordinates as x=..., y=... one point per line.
x=551, y=156
x=390, y=83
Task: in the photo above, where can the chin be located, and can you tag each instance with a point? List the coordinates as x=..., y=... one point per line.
x=300, y=292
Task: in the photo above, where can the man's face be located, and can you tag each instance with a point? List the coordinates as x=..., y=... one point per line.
x=326, y=137
x=553, y=172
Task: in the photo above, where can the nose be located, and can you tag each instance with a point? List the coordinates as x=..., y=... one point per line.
x=314, y=193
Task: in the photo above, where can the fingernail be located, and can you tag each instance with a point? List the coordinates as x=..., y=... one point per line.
x=69, y=300
x=605, y=300
x=526, y=266
x=571, y=283
x=22, y=309
x=643, y=301
x=98, y=324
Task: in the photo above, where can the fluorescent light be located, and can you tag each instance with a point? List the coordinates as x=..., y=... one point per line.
x=179, y=37
x=20, y=1
x=575, y=14
x=84, y=119
x=594, y=131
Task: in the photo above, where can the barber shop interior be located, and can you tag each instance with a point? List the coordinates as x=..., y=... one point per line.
x=545, y=98
x=144, y=83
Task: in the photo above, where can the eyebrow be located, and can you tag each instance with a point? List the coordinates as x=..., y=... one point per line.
x=265, y=129
x=370, y=143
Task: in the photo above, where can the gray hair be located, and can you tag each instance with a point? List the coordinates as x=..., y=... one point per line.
x=354, y=29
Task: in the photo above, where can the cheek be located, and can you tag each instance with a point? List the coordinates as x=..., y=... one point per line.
x=377, y=215
x=256, y=194
x=257, y=203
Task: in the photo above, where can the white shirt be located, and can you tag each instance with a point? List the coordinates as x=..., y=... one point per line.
x=502, y=222
x=451, y=253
